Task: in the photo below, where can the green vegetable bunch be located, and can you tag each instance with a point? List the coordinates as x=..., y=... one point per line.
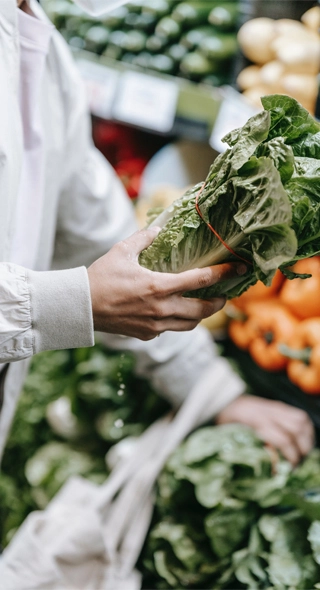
x=196, y=40
x=76, y=404
x=229, y=516
x=262, y=198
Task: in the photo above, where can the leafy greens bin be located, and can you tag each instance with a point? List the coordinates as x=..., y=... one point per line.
x=261, y=197
x=228, y=514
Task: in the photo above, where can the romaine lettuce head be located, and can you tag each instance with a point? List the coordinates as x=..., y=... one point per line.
x=262, y=197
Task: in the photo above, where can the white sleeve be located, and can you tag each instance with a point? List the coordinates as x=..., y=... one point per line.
x=175, y=362
x=94, y=211
x=43, y=311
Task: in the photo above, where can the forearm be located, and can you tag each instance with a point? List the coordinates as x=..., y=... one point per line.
x=176, y=362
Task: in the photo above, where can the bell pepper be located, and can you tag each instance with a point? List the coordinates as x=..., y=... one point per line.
x=239, y=329
x=302, y=296
x=303, y=368
x=271, y=324
x=239, y=333
x=260, y=329
x=259, y=291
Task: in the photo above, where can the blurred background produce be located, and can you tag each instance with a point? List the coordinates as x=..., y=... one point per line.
x=284, y=56
x=74, y=407
x=279, y=326
x=202, y=46
x=195, y=40
x=230, y=515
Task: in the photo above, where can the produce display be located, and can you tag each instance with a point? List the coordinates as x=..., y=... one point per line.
x=279, y=326
x=195, y=40
x=230, y=515
x=259, y=203
x=229, y=512
x=284, y=56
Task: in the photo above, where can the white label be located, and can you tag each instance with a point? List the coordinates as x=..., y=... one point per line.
x=234, y=112
x=146, y=101
x=101, y=83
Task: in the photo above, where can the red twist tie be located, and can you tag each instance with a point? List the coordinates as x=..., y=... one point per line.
x=215, y=232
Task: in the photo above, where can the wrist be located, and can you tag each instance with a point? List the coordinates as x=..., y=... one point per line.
x=235, y=411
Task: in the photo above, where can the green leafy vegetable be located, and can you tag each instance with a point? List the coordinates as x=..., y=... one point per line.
x=228, y=517
x=262, y=197
x=74, y=406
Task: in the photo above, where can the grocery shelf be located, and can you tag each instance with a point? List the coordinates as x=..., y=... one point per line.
x=187, y=109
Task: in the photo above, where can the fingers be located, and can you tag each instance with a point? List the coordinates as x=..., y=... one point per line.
x=284, y=427
x=299, y=426
x=185, y=317
x=290, y=431
x=190, y=280
x=198, y=278
x=287, y=445
x=171, y=324
x=281, y=440
x=182, y=316
x=174, y=325
x=153, y=330
x=305, y=442
x=188, y=308
x=140, y=240
x=211, y=307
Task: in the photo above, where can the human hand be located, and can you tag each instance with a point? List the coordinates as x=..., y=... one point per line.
x=284, y=427
x=131, y=300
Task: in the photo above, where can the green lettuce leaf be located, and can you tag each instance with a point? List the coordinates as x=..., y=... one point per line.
x=288, y=118
x=262, y=198
x=253, y=524
x=314, y=538
x=281, y=155
x=308, y=146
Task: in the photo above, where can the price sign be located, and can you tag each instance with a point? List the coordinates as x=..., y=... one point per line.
x=101, y=83
x=234, y=112
x=146, y=101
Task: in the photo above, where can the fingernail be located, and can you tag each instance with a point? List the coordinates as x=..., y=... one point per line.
x=241, y=269
x=222, y=301
x=154, y=228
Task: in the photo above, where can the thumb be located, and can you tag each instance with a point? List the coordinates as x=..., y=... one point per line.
x=142, y=239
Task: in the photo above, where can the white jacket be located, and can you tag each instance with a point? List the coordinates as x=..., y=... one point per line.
x=86, y=211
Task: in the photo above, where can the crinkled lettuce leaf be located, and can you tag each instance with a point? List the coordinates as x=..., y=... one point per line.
x=308, y=146
x=258, y=530
x=262, y=197
x=288, y=118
